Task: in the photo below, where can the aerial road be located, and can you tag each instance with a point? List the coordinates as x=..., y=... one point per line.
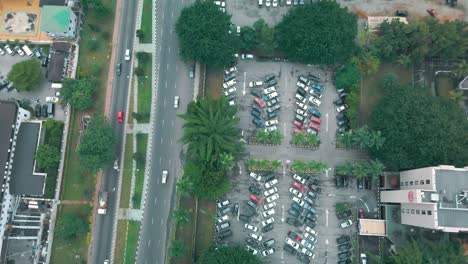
x=167, y=130
x=101, y=248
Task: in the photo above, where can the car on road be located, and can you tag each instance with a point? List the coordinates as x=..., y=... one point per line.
x=119, y=69
x=255, y=199
x=247, y=56
x=252, y=250
x=272, y=198
x=270, y=191
x=176, y=101
x=251, y=227
x=127, y=54
x=295, y=192
x=271, y=183
x=346, y=223
x=292, y=243
x=431, y=12
x=293, y=221
x=269, y=251
x=222, y=204
x=256, y=237
x=268, y=221
x=268, y=213
x=298, y=186
x=255, y=190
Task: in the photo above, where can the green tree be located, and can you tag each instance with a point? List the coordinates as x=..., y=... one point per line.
x=326, y=37
x=347, y=76
x=210, y=130
x=316, y=166
x=275, y=165
x=247, y=38
x=96, y=145
x=447, y=40
x=460, y=70
x=299, y=139
x=312, y=139
x=70, y=226
x=298, y=166
x=252, y=164
x=345, y=169
x=79, y=92
x=177, y=249
x=457, y=96
x=143, y=56
x=276, y=137
x=354, y=101
x=406, y=117
x=184, y=186
x=228, y=255
x=101, y=9
x=360, y=170
x=262, y=136
x=54, y=132
x=92, y=44
x=265, y=37
x=212, y=185
x=26, y=75
x=409, y=254
x=226, y=160
x=367, y=62
x=140, y=34
x=203, y=32
x=181, y=215
x=376, y=168
x=139, y=71
x=47, y=156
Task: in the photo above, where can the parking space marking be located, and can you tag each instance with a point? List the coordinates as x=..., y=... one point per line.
x=169, y=49
x=243, y=91
x=171, y=141
x=160, y=160
x=149, y=243
x=282, y=213
x=163, y=119
x=284, y=128
x=326, y=120
x=165, y=85
x=167, y=66
x=326, y=217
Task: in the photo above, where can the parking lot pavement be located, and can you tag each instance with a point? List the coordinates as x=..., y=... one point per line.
x=246, y=12
x=36, y=96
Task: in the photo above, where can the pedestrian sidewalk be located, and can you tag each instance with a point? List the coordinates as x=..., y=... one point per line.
x=130, y=214
x=145, y=48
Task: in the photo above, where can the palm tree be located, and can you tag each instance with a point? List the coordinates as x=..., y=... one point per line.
x=457, y=96
x=375, y=168
x=262, y=136
x=460, y=70
x=345, y=169
x=298, y=139
x=177, y=249
x=226, y=160
x=276, y=137
x=182, y=216
x=360, y=170
x=184, y=186
x=264, y=165
x=316, y=166
x=275, y=165
x=210, y=129
x=346, y=139
x=377, y=140
x=298, y=166
x=404, y=60
x=312, y=140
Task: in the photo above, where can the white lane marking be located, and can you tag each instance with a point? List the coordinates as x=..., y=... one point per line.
x=326, y=214
x=162, y=221
x=327, y=120
x=162, y=30
x=243, y=91
x=169, y=49
x=284, y=128
x=175, y=86
x=159, y=242
x=176, y=68
x=326, y=241
x=155, y=200
x=282, y=213
x=171, y=141
x=163, y=119
x=172, y=14
x=163, y=15
x=160, y=160
x=167, y=66
x=164, y=105
x=152, y=221
x=149, y=243
x=165, y=85
x=162, y=141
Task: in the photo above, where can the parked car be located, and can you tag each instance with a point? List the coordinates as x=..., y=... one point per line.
x=272, y=102
x=269, y=243
x=268, y=213
x=256, y=237
x=289, y=249
x=272, y=198
x=343, y=239
x=315, y=101
x=315, y=120
x=432, y=12
x=401, y=13
x=344, y=255
x=256, y=93
x=37, y=110
x=252, y=250
x=295, y=192
x=292, y=243
x=301, y=98
x=268, y=77
x=315, y=93
x=19, y=51
x=297, y=207
x=253, y=243
x=235, y=209
x=255, y=84
x=294, y=236
x=251, y=227
x=268, y=221
x=346, y=223
x=302, y=106
x=255, y=199
x=314, y=127
x=255, y=190
x=222, y=204
x=298, y=201
x=315, y=188
x=293, y=221
x=224, y=234
x=273, y=108
x=270, y=191
x=271, y=183
x=314, y=112
x=269, y=90
x=269, y=251
x=223, y=211
x=244, y=218
x=307, y=244
x=298, y=125
x=298, y=186
x=293, y=212
x=269, y=177
x=255, y=176
x=258, y=123
x=344, y=247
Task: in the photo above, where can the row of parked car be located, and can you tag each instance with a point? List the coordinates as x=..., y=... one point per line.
x=222, y=222
x=263, y=185
x=341, y=107
x=305, y=192
x=275, y=3
x=265, y=105
x=309, y=92
x=46, y=110
x=21, y=51
x=229, y=88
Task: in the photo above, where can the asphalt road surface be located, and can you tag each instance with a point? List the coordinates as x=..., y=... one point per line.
x=166, y=151
x=104, y=223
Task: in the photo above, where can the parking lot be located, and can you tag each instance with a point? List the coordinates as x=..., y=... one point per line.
x=37, y=96
x=327, y=224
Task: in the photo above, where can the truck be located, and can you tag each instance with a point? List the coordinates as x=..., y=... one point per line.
x=102, y=209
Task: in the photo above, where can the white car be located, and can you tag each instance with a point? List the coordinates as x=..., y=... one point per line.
x=270, y=220
x=300, y=98
x=315, y=101
x=268, y=3
x=288, y=2
x=229, y=70
x=272, y=198
x=222, y=219
x=247, y=56
x=251, y=227
x=232, y=103
x=127, y=54
x=299, y=179
x=297, y=200
x=176, y=101
x=300, y=84
x=363, y=258
x=271, y=122
x=302, y=106
x=269, y=251
x=19, y=51
x=223, y=204
x=270, y=191
x=269, y=206
x=256, y=237
x=346, y=223
x=308, y=253
x=295, y=192
x=229, y=83
x=220, y=3
x=164, y=176
x=251, y=250
x=273, y=95
x=309, y=230
x=269, y=90
x=292, y=243
x=255, y=176
x=307, y=244
x=271, y=183
x=231, y=90
x=301, y=112
x=275, y=3
x=312, y=239
x=341, y=108
x=2, y=52
x=271, y=128
x=311, y=131
x=268, y=213
x=52, y=99
x=255, y=84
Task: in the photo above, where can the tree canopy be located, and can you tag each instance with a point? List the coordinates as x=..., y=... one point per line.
x=203, y=32
x=319, y=33
x=47, y=156
x=265, y=37
x=419, y=130
x=79, y=92
x=96, y=145
x=26, y=75
x=228, y=255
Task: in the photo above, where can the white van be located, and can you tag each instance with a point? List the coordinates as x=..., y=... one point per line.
x=260, y=2
x=28, y=51
x=127, y=54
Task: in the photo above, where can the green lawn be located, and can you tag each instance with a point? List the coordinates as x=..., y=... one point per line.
x=205, y=223
x=127, y=172
x=144, y=87
x=66, y=251
x=120, y=241
x=132, y=242
x=146, y=22
x=142, y=142
x=444, y=84
x=371, y=91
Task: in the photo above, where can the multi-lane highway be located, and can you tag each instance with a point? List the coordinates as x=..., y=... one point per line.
x=167, y=127
x=101, y=248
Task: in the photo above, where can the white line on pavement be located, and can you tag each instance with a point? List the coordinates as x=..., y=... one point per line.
x=149, y=243
x=162, y=221
x=155, y=200
x=176, y=68
x=163, y=119
x=243, y=91
x=282, y=213
x=327, y=120
x=172, y=14
x=169, y=49
x=162, y=141
x=172, y=123
x=164, y=105
x=160, y=160
x=326, y=214
x=284, y=128
x=152, y=221
x=163, y=15
x=167, y=66
x=171, y=141
x=165, y=85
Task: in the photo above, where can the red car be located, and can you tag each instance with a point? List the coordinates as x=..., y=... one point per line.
x=432, y=12
x=314, y=126
x=259, y=102
x=315, y=119
x=298, y=186
x=294, y=236
x=120, y=117
x=361, y=213
x=298, y=125
x=255, y=199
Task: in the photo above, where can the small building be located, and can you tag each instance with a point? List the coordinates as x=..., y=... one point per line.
x=59, y=22
x=373, y=22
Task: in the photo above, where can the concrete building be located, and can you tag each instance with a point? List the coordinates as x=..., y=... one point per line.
x=432, y=197
x=59, y=22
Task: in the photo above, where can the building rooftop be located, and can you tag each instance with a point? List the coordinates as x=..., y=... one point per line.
x=55, y=18
x=452, y=187
x=8, y=111
x=55, y=67
x=52, y=2
x=23, y=179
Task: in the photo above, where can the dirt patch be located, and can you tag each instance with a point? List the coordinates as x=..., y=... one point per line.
x=214, y=81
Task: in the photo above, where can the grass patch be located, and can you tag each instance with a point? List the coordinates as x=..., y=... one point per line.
x=64, y=251
x=45, y=48
x=131, y=102
x=186, y=233
x=146, y=22
x=444, y=84
x=127, y=172
x=120, y=242
x=214, y=81
x=144, y=86
x=142, y=142
x=205, y=224
x=371, y=90
x=132, y=242
x=341, y=207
